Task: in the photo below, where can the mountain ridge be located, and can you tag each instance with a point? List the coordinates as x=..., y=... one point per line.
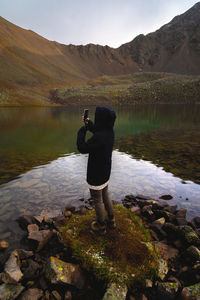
x=30, y=62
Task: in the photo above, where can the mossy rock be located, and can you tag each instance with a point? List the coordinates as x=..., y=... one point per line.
x=121, y=256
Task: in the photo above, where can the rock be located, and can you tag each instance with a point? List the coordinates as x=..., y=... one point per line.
x=47, y=220
x=191, y=292
x=147, y=212
x=60, y=221
x=32, y=228
x=188, y=235
x=38, y=219
x=51, y=213
x=181, y=221
x=171, y=230
x=167, y=290
x=142, y=197
x=162, y=268
x=60, y=272
x=3, y=245
x=5, y=278
x=12, y=266
x=136, y=210
x=166, y=251
x=115, y=292
x=43, y=283
x=196, y=221
x=24, y=221
x=193, y=253
x=68, y=213
x=68, y=295
x=24, y=253
x=70, y=208
x=165, y=214
x=166, y=197
x=32, y=270
x=41, y=237
x=171, y=208
x=181, y=216
x=32, y=294
x=10, y=291
x=161, y=234
x=56, y=295
x=159, y=222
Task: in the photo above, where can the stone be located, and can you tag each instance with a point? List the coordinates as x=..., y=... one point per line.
x=23, y=254
x=171, y=230
x=188, y=235
x=142, y=197
x=56, y=295
x=38, y=219
x=47, y=219
x=10, y=291
x=167, y=290
x=162, y=268
x=5, y=278
x=5, y=235
x=193, y=253
x=51, y=213
x=68, y=213
x=24, y=221
x=60, y=272
x=171, y=208
x=3, y=245
x=32, y=294
x=32, y=228
x=41, y=237
x=181, y=213
x=147, y=212
x=32, y=270
x=167, y=252
x=166, y=197
x=191, y=292
x=68, y=295
x=12, y=267
x=160, y=222
x=136, y=210
x=115, y=292
x=196, y=221
x=71, y=208
x=181, y=221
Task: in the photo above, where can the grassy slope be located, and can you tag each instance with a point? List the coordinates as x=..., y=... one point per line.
x=132, y=89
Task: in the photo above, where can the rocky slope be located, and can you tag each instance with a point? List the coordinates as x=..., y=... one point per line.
x=30, y=65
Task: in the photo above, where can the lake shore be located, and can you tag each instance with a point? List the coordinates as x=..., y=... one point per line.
x=40, y=272
x=138, y=88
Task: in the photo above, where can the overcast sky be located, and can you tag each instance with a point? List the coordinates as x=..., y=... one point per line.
x=104, y=22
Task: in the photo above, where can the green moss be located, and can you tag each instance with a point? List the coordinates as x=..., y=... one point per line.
x=122, y=256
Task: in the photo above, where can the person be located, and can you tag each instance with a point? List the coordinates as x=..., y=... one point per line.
x=99, y=147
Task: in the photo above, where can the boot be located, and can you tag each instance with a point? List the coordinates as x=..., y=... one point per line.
x=98, y=228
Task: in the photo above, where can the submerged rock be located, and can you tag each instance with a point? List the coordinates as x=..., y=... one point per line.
x=60, y=272
x=10, y=291
x=116, y=292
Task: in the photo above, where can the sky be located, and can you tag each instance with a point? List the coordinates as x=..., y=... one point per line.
x=104, y=22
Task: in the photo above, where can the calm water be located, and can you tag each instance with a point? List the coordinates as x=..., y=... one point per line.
x=157, y=152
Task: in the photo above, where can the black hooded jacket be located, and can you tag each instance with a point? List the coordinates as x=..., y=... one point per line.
x=99, y=146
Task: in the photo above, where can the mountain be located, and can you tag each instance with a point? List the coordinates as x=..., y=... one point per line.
x=175, y=47
x=31, y=65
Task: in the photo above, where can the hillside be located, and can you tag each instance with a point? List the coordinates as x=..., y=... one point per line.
x=31, y=65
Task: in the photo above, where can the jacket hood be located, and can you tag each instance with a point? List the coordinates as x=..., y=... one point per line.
x=104, y=118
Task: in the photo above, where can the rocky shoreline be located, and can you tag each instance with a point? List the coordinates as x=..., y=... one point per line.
x=47, y=269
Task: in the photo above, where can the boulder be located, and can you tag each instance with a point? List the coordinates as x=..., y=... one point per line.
x=167, y=290
x=10, y=291
x=162, y=268
x=41, y=237
x=32, y=270
x=32, y=228
x=32, y=294
x=196, y=221
x=136, y=210
x=167, y=252
x=191, y=292
x=56, y=295
x=60, y=272
x=12, y=266
x=192, y=253
x=188, y=235
x=115, y=292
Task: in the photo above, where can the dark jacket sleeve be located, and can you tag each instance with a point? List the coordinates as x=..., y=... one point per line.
x=87, y=147
x=90, y=126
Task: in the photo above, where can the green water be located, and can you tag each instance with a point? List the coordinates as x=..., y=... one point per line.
x=157, y=151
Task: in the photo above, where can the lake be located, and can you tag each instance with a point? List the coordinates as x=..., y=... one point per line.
x=156, y=152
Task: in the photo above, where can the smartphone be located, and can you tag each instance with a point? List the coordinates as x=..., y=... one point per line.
x=85, y=116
